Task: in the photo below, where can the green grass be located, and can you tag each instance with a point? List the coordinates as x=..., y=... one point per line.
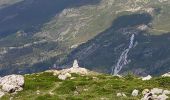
x=92, y=87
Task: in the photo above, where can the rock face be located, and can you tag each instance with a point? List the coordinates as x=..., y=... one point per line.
x=12, y=83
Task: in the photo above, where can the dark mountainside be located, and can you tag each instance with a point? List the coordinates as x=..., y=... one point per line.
x=37, y=35
x=30, y=15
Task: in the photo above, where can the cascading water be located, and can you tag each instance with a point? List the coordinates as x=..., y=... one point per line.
x=123, y=58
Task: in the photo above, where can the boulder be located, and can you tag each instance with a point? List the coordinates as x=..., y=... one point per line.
x=156, y=91
x=135, y=93
x=12, y=83
x=62, y=77
x=1, y=94
x=146, y=78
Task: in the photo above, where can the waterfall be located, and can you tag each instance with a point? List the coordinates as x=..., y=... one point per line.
x=123, y=58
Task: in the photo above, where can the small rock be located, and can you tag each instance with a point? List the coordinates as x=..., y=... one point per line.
x=147, y=78
x=85, y=89
x=76, y=93
x=135, y=93
x=166, y=92
x=145, y=91
x=72, y=78
x=38, y=91
x=162, y=97
x=55, y=73
x=62, y=77
x=124, y=95
x=51, y=93
x=119, y=94
x=68, y=75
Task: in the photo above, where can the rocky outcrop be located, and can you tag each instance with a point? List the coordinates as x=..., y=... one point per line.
x=166, y=75
x=66, y=73
x=12, y=83
x=146, y=78
x=155, y=94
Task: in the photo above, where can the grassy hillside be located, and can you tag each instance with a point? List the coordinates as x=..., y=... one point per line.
x=45, y=86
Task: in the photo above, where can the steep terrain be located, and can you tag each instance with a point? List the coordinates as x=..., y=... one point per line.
x=96, y=32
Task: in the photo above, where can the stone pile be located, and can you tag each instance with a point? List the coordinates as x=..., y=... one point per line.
x=66, y=73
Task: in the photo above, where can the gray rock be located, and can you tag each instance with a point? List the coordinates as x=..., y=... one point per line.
x=166, y=92
x=12, y=83
x=135, y=93
x=166, y=75
x=62, y=77
x=146, y=78
x=157, y=91
x=121, y=95
x=162, y=97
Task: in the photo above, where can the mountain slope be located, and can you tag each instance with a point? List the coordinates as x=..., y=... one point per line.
x=35, y=44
